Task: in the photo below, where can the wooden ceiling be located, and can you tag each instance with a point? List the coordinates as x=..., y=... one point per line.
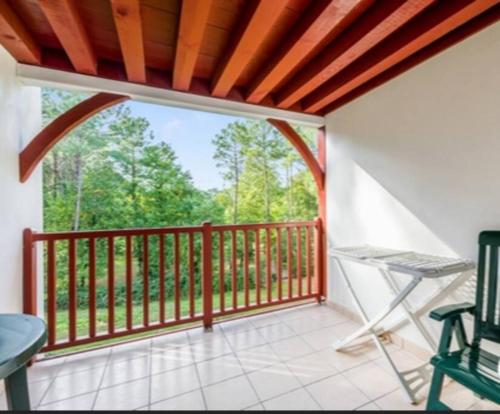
x=310, y=56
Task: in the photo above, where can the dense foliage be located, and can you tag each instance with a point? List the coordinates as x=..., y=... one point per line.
x=113, y=172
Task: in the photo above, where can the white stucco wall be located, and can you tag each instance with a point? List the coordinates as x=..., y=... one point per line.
x=20, y=204
x=415, y=164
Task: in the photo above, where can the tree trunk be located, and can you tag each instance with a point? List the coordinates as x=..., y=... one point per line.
x=289, y=191
x=236, y=166
x=55, y=174
x=235, y=201
x=79, y=188
x=267, y=195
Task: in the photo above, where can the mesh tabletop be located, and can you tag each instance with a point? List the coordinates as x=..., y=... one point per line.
x=365, y=252
x=401, y=261
x=427, y=265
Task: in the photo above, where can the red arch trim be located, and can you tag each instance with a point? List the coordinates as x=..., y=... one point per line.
x=39, y=146
x=296, y=140
x=317, y=167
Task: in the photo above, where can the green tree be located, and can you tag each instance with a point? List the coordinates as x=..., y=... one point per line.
x=266, y=178
x=69, y=162
x=229, y=156
x=129, y=137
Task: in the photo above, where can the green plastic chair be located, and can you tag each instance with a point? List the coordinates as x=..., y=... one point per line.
x=470, y=365
x=21, y=337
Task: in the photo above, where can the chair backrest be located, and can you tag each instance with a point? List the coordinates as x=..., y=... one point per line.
x=486, y=319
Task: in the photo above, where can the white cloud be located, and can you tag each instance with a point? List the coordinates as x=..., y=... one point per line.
x=171, y=127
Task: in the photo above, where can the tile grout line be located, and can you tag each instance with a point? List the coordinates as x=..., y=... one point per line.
x=203, y=397
x=150, y=370
x=101, y=381
x=281, y=362
x=317, y=381
x=52, y=379
x=65, y=375
x=245, y=374
x=67, y=398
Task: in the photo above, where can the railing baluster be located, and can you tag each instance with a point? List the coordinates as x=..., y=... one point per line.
x=111, y=285
x=257, y=266
x=308, y=259
x=92, y=288
x=161, y=275
x=128, y=282
x=207, y=275
x=221, y=272
x=192, y=309
x=30, y=276
x=289, y=261
x=177, y=281
x=72, y=289
x=234, y=270
x=269, y=285
x=299, y=260
x=279, y=264
x=51, y=292
x=246, y=275
x=318, y=259
x=145, y=275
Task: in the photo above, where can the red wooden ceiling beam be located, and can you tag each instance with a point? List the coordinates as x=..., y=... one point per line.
x=473, y=26
x=321, y=24
x=193, y=21
x=434, y=23
x=67, y=25
x=305, y=152
x=58, y=128
x=258, y=20
x=128, y=22
x=15, y=37
x=375, y=25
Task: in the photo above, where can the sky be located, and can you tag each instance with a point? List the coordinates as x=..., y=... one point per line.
x=190, y=135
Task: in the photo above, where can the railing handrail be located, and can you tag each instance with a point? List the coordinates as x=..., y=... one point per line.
x=260, y=226
x=141, y=231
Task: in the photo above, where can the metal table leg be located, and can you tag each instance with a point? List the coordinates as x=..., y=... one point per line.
x=433, y=301
x=391, y=283
x=370, y=324
x=369, y=328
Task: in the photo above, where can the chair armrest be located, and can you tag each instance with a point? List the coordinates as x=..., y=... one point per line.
x=445, y=312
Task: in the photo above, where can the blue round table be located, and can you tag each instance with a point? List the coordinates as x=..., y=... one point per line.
x=21, y=337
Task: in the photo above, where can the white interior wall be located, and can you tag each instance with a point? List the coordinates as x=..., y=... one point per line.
x=415, y=164
x=20, y=204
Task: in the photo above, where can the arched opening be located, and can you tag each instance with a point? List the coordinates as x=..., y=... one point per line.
x=152, y=273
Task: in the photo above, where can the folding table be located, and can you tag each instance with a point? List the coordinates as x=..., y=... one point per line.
x=418, y=267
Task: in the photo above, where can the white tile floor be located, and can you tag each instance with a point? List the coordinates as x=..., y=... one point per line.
x=277, y=361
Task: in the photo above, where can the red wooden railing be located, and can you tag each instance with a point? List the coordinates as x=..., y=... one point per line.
x=251, y=265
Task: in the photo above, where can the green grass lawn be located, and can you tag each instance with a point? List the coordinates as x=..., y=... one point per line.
x=62, y=317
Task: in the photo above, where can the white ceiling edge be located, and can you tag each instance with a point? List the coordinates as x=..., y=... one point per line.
x=44, y=77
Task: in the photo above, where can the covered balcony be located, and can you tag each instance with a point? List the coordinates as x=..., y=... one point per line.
x=404, y=99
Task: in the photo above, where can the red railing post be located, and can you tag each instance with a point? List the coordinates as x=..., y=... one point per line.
x=319, y=269
x=207, y=276
x=29, y=273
